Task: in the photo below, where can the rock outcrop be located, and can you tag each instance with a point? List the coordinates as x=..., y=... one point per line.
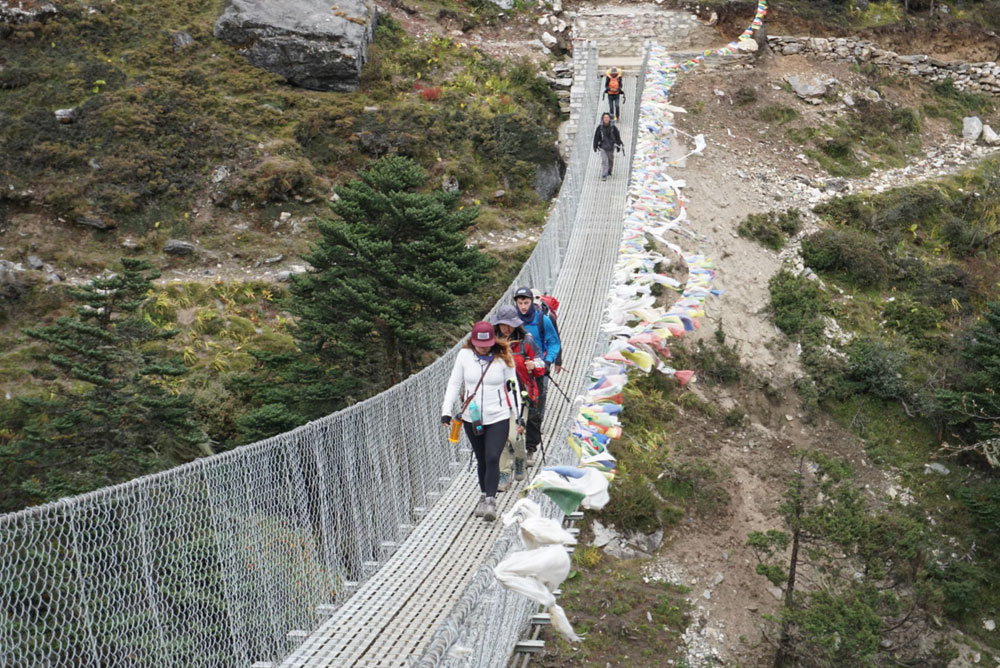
x=311, y=43
x=983, y=76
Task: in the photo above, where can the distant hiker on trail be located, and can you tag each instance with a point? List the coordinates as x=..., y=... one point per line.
x=530, y=368
x=607, y=140
x=613, y=89
x=491, y=393
x=540, y=328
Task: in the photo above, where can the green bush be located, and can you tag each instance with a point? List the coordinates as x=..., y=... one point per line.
x=910, y=317
x=854, y=255
x=876, y=367
x=796, y=301
x=772, y=228
x=633, y=505
x=777, y=114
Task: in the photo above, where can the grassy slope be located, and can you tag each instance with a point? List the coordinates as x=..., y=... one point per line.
x=154, y=123
x=915, y=269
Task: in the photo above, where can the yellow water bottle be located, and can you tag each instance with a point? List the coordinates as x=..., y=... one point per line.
x=456, y=427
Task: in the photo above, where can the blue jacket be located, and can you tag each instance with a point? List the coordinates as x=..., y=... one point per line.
x=550, y=343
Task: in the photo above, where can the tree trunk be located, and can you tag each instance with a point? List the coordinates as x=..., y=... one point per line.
x=391, y=355
x=784, y=658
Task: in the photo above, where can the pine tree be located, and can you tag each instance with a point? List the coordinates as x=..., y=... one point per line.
x=112, y=416
x=976, y=404
x=387, y=272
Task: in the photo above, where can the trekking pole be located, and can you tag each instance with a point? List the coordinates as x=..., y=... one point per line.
x=553, y=381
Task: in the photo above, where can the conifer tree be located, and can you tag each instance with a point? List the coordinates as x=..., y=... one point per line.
x=387, y=272
x=112, y=415
x=976, y=403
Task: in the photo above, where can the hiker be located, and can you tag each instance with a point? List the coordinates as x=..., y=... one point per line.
x=491, y=394
x=548, y=304
x=613, y=89
x=607, y=140
x=540, y=328
x=530, y=367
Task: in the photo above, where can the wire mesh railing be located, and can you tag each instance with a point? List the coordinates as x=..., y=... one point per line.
x=221, y=561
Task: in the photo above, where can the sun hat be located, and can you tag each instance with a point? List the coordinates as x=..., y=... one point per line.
x=507, y=315
x=482, y=334
x=524, y=292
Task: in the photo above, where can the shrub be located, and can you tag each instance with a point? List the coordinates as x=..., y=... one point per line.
x=796, y=301
x=854, y=255
x=777, y=113
x=911, y=317
x=771, y=229
x=633, y=505
x=744, y=95
x=876, y=367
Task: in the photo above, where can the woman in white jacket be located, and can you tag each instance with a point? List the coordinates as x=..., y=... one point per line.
x=486, y=369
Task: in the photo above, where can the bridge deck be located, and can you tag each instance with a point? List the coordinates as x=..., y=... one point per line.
x=391, y=617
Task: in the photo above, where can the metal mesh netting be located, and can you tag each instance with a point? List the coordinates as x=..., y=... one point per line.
x=215, y=562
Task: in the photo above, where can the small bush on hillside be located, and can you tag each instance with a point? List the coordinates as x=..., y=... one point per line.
x=796, y=301
x=633, y=505
x=777, y=114
x=772, y=228
x=910, y=317
x=852, y=254
x=744, y=96
x=876, y=367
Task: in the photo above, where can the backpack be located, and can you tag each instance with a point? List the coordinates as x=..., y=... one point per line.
x=614, y=85
x=548, y=307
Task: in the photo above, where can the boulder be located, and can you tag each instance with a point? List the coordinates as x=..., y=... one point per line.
x=449, y=183
x=646, y=542
x=13, y=283
x=548, y=179
x=505, y=5
x=990, y=137
x=35, y=262
x=66, y=116
x=15, y=13
x=181, y=40
x=178, y=247
x=972, y=127
x=309, y=42
x=807, y=89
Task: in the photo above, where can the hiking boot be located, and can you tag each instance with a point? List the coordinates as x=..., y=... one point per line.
x=490, y=508
x=481, y=507
x=604, y=178
x=504, y=484
x=530, y=461
x=518, y=469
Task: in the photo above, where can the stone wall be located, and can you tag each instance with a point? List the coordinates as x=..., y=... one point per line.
x=984, y=77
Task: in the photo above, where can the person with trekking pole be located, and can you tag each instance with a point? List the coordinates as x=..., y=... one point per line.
x=530, y=367
x=540, y=328
x=607, y=140
x=613, y=90
x=491, y=393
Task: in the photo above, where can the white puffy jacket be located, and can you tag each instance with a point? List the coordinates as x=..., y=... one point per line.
x=492, y=396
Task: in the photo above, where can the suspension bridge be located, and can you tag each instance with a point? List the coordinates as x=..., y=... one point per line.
x=349, y=541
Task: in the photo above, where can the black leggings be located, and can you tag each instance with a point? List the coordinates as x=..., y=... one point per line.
x=488, y=445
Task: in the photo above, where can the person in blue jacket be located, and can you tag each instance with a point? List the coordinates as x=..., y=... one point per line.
x=546, y=339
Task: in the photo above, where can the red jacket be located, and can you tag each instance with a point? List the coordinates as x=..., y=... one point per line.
x=525, y=350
